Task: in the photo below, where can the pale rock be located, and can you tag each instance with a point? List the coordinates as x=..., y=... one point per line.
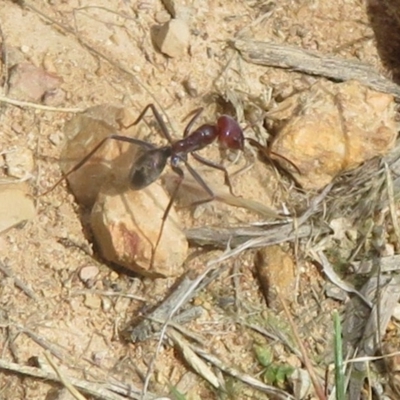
x=16, y=206
x=396, y=312
x=54, y=98
x=30, y=83
x=179, y=9
x=19, y=163
x=126, y=226
x=301, y=383
x=173, y=38
x=276, y=271
x=333, y=128
x=81, y=135
x=88, y=273
x=92, y=301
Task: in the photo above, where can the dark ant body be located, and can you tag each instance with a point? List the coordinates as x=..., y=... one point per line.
x=148, y=167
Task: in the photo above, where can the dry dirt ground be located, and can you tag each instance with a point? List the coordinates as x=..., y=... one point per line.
x=88, y=44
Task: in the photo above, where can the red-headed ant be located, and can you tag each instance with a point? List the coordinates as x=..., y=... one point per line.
x=148, y=167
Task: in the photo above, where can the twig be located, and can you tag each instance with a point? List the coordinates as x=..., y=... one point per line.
x=18, y=283
x=193, y=359
x=4, y=59
x=313, y=63
x=181, y=293
x=306, y=360
x=66, y=382
x=94, y=389
x=391, y=200
x=20, y=103
x=243, y=238
x=249, y=380
x=192, y=287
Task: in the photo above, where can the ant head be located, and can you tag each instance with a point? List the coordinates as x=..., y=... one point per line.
x=230, y=133
x=148, y=167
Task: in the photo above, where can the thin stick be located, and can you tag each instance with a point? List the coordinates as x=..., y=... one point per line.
x=63, y=379
x=306, y=360
x=289, y=57
x=20, y=103
x=17, y=282
x=93, y=389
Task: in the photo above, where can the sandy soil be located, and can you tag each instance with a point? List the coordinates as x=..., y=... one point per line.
x=88, y=44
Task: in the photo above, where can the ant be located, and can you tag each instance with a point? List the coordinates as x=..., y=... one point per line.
x=148, y=167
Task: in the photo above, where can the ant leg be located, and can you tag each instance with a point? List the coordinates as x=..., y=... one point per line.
x=216, y=166
x=247, y=153
x=158, y=118
x=189, y=126
x=180, y=174
x=201, y=182
x=268, y=153
x=93, y=151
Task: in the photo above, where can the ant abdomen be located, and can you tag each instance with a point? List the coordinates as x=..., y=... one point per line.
x=148, y=167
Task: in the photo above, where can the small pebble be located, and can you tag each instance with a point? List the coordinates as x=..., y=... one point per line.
x=19, y=163
x=92, y=301
x=396, y=312
x=106, y=304
x=56, y=138
x=88, y=273
x=334, y=292
x=16, y=206
x=173, y=38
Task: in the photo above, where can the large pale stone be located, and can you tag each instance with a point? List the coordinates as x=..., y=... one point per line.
x=126, y=227
x=333, y=128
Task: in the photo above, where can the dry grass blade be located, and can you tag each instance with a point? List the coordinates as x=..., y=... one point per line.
x=335, y=279
x=64, y=380
x=97, y=390
x=249, y=380
x=18, y=282
x=181, y=298
x=392, y=205
x=182, y=292
x=224, y=196
x=306, y=360
x=193, y=359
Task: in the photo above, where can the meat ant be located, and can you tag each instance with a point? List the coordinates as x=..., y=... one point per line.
x=148, y=167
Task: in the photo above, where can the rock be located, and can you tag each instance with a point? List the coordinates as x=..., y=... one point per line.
x=54, y=97
x=82, y=133
x=301, y=383
x=334, y=292
x=333, y=128
x=92, y=301
x=16, y=206
x=19, y=163
x=30, y=83
x=173, y=38
x=126, y=226
x=60, y=394
x=178, y=9
x=276, y=271
x=88, y=273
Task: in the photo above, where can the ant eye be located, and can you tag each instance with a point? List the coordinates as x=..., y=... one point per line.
x=148, y=167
